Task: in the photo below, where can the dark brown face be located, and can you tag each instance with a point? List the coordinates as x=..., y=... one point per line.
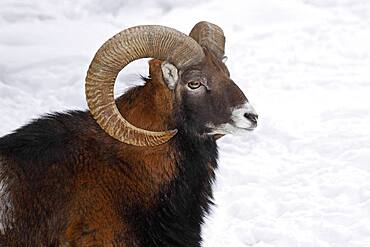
x=210, y=102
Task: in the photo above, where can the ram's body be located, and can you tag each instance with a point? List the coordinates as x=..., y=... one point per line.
x=66, y=182
x=75, y=179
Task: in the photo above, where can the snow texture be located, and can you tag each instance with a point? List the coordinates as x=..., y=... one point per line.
x=302, y=178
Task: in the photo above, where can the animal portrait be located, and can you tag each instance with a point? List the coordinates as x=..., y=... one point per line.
x=131, y=171
x=137, y=123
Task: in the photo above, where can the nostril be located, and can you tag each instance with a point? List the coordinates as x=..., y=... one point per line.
x=251, y=117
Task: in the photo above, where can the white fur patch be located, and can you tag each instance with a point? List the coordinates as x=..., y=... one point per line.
x=238, y=116
x=240, y=124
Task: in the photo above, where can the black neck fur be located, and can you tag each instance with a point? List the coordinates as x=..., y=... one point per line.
x=183, y=204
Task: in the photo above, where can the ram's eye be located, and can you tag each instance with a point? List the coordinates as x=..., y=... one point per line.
x=194, y=84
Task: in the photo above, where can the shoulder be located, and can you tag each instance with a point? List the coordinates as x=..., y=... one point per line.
x=46, y=136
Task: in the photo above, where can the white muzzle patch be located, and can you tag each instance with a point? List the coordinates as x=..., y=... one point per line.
x=243, y=118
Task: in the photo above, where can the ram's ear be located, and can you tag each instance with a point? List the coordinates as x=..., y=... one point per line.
x=170, y=74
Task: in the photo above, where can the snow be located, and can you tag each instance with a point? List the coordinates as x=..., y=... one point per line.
x=302, y=178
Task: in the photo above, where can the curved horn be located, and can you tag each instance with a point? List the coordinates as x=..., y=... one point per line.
x=210, y=36
x=131, y=44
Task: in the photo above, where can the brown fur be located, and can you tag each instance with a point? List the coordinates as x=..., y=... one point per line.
x=95, y=205
x=90, y=216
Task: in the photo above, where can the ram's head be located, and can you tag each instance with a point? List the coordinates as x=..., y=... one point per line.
x=193, y=70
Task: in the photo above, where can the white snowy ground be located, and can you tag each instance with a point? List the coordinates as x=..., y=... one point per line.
x=303, y=177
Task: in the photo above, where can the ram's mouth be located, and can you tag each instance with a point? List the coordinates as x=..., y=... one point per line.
x=228, y=128
x=247, y=129
x=217, y=136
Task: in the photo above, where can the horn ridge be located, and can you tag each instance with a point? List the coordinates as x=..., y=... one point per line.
x=210, y=36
